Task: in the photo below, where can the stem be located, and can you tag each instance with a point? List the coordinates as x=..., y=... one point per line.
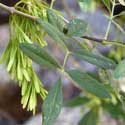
x=12, y=10
x=114, y=43
x=65, y=59
x=118, y=26
x=52, y=2
x=110, y=21
x=108, y=30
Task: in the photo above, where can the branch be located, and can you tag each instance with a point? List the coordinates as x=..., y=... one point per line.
x=12, y=10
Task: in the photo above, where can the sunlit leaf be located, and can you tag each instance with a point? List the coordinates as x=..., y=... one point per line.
x=52, y=104
x=39, y=55
x=88, y=83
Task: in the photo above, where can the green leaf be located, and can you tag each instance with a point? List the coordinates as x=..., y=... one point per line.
x=120, y=70
x=107, y=4
x=53, y=32
x=90, y=118
x=77, y=101
x=97, y=60
x=55, y=20
x=88, y=83
x=77, y=28
x=52, y=104
x=39, y=55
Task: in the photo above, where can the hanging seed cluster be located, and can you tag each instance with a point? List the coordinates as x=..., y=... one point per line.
x=23, y=30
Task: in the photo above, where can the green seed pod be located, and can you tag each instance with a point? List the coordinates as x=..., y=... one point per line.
x=23, y=30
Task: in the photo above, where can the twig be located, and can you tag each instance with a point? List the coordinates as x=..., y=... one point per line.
x=118, y=26
x=52, y=2
x=93, y=39
x=104, y=41
x=66, y=57
x=110, y=21
x=12, y=10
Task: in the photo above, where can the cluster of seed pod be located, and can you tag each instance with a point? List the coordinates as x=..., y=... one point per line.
x=18, y=65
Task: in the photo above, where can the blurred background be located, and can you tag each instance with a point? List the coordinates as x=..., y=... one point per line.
x=11, y=112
